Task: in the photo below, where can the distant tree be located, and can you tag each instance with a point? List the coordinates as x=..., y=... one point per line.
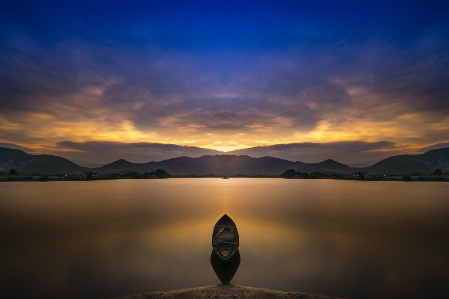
x=288, y=174
x=438, y=172
x=317, y=175
x=133, y=175
x=305, y=175
x=407, y=178
x=336, y=175
x=12, y=171
x=43, y=178
x=162, y=174
x=239, y=175
x=314, y=175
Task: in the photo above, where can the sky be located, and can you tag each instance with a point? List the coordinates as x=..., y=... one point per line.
x=95, y=81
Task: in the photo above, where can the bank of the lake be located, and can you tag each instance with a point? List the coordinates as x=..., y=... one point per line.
x=225, y=292
x=380, y=178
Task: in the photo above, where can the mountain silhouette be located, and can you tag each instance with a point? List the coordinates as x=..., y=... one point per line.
x=403, y=164
x=326, y=166
x=223, y=165
x=123, y=166
x=27, y=163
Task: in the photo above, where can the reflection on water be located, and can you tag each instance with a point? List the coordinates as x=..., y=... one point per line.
x=110, y=238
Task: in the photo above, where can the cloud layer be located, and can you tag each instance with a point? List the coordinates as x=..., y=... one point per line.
x=224, y=76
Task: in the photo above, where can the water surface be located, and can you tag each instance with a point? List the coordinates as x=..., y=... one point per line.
x=110, y=238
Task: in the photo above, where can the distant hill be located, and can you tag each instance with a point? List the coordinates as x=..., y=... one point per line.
x=406, y=164
x=221, y=165
x=52, y=164
x=328, y=166
x=27, y=163
x=122, y=166
x=9, y=155
x=49, y=164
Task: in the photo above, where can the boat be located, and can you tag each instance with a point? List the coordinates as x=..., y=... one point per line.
x=225, y=257
x=225, y=238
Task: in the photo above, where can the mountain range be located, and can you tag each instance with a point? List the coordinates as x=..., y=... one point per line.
x=220, y=165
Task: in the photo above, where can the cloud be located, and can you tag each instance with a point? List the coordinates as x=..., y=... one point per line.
x=106, y=152
x=352, y=152
x=314, y=85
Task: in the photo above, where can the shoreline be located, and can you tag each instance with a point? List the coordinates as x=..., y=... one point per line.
x=225, y=291
x=56, y=178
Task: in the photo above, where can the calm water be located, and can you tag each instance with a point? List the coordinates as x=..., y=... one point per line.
x=111, y=238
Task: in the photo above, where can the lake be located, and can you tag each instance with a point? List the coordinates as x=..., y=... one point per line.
x=348, y=239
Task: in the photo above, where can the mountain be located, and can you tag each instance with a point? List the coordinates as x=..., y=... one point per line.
x=52, y=164
x=122, y=166
x=406, y=164
x=27, y=163
x=221, y=165
x=327, y=166
x=49, y=164
x=9, y=155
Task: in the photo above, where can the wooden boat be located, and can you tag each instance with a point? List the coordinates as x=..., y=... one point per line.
x=225, y=238
x=225, y=257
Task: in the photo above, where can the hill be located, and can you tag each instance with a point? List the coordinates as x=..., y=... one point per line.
x=221, y=165
x=49, y=164
x=327, y=166
x=406, y=164
x=122, y=166
x=27, y=163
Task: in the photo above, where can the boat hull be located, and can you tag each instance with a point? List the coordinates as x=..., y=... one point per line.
x=225, y=256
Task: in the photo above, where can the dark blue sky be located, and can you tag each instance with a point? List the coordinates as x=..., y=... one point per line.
x=225, y=25
x=225, y=75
